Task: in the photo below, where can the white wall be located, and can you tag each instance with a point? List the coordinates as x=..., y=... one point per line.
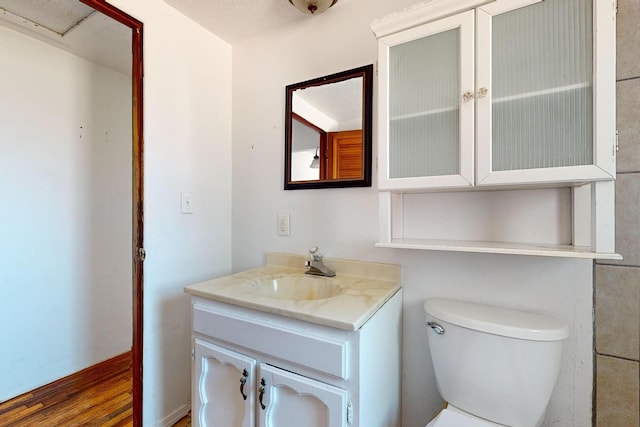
x=65, y=222
x=343, y=222
x=187, y=118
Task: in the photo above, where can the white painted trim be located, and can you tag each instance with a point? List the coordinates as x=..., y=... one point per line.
x=484, y=109
x=174, y=416
x=467, y=133
x=385, y=227
x=569, y=174
x=502, y=6
x=383, y=112
x=427, y=29
x=604, y=85
x=562, y=251
x=582, y=218
x=441, y=182
x=421, y=13
x=397, y=215
x=603, y=220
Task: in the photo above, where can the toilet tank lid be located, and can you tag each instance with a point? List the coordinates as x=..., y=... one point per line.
x=497, y=320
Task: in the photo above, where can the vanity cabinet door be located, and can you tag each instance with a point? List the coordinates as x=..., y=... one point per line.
x=427, y=105
x=535, y=93
x=223, y=387
x=289, y=400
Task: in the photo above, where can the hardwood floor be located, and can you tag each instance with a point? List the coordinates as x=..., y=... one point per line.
x=97, y=396
x=184, y=422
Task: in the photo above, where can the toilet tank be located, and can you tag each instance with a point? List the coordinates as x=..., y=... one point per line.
x=494, y=363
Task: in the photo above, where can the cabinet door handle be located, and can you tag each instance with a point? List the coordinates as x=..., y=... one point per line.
x=482, y=92
x=467, y=96
x=261, y=390
x=243, y=381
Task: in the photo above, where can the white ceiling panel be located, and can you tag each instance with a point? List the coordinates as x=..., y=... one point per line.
x=58, y=16
x=72, y=26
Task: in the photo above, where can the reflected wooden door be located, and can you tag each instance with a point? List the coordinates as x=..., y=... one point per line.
x=345, y=154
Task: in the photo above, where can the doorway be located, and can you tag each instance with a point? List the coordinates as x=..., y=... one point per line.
x=49, y=185
x=137, y=196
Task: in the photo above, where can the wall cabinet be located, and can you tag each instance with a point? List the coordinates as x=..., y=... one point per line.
x=259, y=369
x=500, y=94
x=508, y=87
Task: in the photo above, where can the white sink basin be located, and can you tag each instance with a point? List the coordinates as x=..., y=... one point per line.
x=295, y=287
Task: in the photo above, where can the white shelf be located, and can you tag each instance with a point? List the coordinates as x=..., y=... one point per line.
x=562, y=251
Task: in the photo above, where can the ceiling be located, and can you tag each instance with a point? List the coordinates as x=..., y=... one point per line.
x=78, y=29
x=238, y=20
x=71, y=26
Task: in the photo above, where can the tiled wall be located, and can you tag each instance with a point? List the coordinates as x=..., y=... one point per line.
x=617, y=284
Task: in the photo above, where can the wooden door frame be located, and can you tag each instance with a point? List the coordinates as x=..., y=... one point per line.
x=138, y=193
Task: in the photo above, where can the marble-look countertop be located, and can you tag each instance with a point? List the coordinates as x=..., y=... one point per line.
x=364, y=288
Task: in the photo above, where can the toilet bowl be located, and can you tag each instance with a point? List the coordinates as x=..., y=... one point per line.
x=452, y=417
x=494, y=366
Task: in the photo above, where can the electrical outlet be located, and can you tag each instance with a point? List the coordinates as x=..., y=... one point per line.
x=283, y=224
x=186, y=203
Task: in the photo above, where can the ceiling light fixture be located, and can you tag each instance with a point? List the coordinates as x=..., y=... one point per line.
x=312, y=7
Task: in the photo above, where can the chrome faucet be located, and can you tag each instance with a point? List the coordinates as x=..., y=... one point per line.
x=315, y=265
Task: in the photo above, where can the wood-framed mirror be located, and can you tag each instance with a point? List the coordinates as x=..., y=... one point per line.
x=328, y=125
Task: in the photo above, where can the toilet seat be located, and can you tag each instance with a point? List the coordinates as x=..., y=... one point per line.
x=452, y=417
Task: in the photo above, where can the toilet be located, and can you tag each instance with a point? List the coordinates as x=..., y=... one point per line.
x=493, y=366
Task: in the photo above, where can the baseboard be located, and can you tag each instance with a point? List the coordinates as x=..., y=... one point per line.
x=93, y=373
x=175, y=416
x=58, y=391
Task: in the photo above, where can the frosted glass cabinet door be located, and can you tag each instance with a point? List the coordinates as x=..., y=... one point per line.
x=535, y=94
x=223, y=389
x=290, y=400
x=427, y=105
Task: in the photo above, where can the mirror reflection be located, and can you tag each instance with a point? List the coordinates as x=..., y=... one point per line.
x=328, y=131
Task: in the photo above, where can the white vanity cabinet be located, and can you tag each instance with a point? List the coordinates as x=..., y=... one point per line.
x=506, y=92
x=253, y=368
x=227, y=393
x=514, y=95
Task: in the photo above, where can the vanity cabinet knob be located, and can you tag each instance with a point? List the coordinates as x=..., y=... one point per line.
x=467, y=96
x=243, y=381
x=482, y=92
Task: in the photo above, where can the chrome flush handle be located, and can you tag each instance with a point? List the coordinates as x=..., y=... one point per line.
x=436, y=328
